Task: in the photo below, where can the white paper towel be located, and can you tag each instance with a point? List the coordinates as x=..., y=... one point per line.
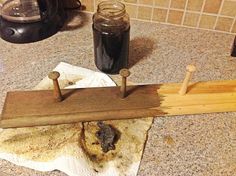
x=71, y=77
x=86, y=78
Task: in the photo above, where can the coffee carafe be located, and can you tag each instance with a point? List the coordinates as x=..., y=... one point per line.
x=24, y=21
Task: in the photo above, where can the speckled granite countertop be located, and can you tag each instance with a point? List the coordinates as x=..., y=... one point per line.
x=185, y=145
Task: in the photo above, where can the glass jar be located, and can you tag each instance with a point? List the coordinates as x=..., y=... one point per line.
x=111, y=35
x=21, y=11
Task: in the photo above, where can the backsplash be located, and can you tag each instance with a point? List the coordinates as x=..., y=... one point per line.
x=217, y=15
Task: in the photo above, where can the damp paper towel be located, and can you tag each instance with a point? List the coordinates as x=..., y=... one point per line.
x=73, y=148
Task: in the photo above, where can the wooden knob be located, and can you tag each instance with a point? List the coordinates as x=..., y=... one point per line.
x=124, y=74
x=190, y=69
x=57, y=91
x=54, y=75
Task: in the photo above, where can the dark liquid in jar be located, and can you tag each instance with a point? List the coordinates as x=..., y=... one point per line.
x=111, y=50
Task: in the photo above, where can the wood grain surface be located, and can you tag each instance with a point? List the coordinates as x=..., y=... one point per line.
x=35, y=108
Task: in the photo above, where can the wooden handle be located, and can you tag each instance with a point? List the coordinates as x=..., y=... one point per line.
x=57, y=91
x=124, y=73
x=190, y=69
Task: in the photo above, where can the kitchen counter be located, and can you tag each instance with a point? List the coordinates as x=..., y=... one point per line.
x=182, y=145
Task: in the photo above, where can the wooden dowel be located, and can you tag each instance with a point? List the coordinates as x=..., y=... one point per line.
x=57, y=91
x=124, y=73
x=189, y=73
x=123, y=87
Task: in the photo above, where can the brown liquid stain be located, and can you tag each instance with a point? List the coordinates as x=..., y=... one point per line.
x=169, y=140
x=128, y=148
x=46, y=143
x=40, y=143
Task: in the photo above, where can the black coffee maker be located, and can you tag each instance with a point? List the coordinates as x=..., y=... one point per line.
x=25, y=21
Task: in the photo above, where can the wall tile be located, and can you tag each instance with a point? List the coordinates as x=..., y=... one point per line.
x=207, y=21
x=191, y=19
x=174, y=10
x=89, y=4
x=144, y=13
x=131, y=1
x=224, y=24
x=132, y=10
x=162, y=3
x=97, y=2
x=229, y=8
x=175, y=17
x=195, y=5
x=146, y=2
x=159, y=14
x=178, y=4
x=212, y=6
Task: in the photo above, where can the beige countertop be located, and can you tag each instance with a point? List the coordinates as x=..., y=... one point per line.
x=184, y=145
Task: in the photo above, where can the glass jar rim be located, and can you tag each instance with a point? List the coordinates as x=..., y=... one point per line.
x=112, y=8
x=21, y=18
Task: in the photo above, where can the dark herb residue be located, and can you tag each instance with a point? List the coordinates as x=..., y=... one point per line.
x=108, y=136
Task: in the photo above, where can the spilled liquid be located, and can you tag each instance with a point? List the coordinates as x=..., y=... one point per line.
x=78, y=140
